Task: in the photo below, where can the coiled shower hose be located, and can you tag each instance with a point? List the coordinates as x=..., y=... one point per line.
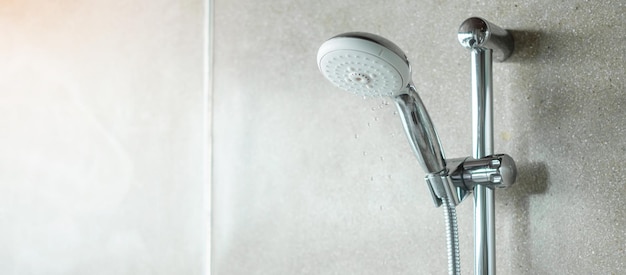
x=452, y=236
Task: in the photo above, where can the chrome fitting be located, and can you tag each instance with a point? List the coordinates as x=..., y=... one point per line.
x=495, y=171
x=477, y=33
x=442, y=185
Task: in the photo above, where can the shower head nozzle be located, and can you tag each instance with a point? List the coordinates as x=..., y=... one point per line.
x=365, y=64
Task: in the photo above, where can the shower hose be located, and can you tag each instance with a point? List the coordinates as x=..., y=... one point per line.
x=452, y=236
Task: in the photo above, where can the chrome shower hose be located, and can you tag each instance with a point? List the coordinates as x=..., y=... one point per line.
x=452, y=237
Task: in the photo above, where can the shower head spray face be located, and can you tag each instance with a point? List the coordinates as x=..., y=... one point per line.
x=365, y=64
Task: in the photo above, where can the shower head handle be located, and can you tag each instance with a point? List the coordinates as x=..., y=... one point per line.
x=420, y=131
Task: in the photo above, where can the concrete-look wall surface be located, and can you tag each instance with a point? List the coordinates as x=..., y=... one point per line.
x=102, y=137
x=309, y=179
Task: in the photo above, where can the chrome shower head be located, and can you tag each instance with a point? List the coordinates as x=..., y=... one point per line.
x=369, y=65
x=365, y=64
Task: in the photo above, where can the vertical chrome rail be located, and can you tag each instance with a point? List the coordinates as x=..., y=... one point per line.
x=483, y=38
x=484, y=231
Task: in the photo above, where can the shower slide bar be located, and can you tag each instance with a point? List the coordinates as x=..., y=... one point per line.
x=485, y=40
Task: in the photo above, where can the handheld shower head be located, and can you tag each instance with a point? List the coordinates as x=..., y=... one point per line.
x=364, y=63
x=369, y=65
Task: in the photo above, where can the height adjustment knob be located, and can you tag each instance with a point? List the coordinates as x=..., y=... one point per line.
x=497, y=171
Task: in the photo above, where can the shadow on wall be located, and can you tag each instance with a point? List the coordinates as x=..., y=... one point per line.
x=565, y=122
x=526, y=46
x=532, y=179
